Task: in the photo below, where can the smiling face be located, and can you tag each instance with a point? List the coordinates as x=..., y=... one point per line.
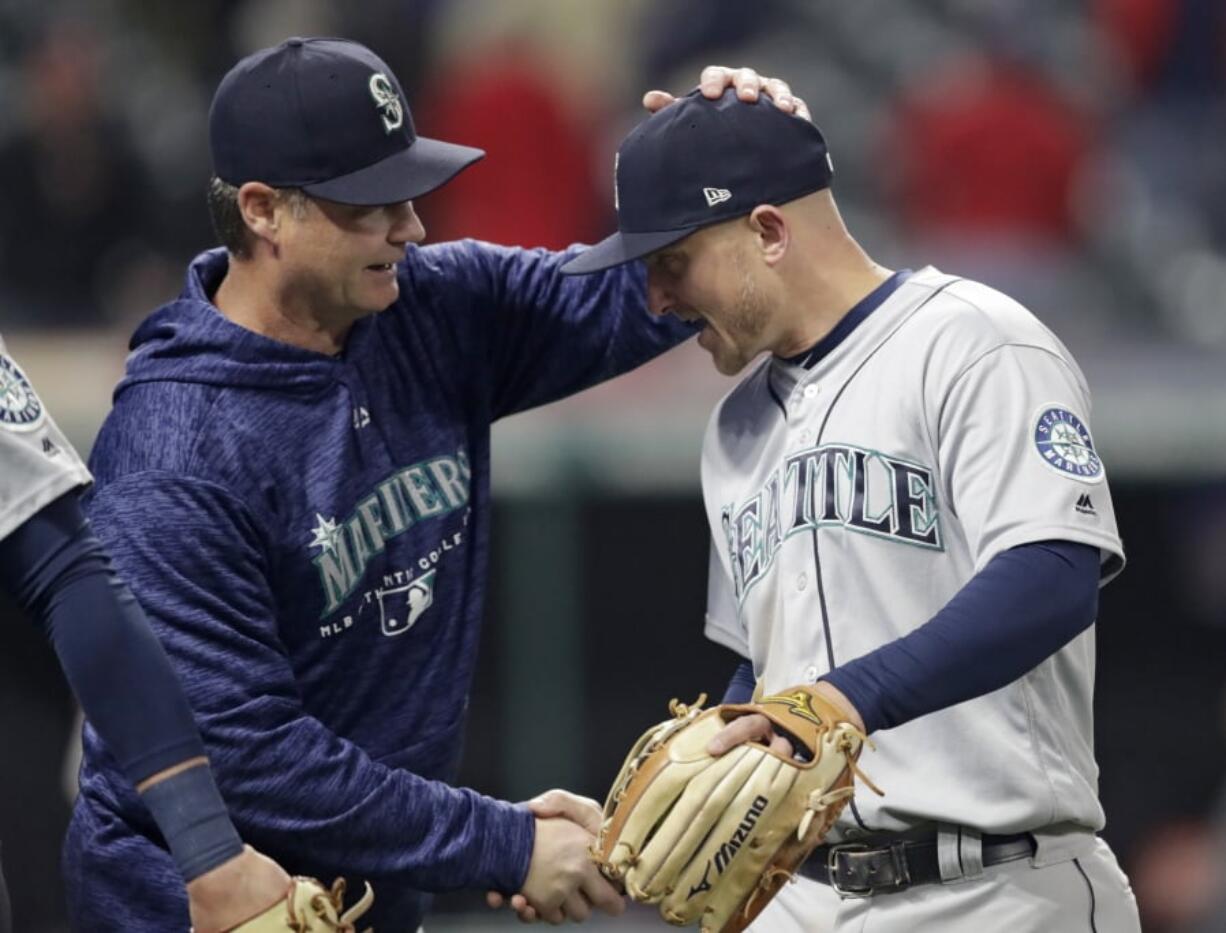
x=709, y=277
x=338, y=261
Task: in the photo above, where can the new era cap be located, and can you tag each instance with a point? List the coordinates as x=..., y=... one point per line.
x=327, y=116
x=698, y=162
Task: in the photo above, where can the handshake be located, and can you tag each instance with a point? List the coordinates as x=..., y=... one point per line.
x=563, y=882
x=713, y=811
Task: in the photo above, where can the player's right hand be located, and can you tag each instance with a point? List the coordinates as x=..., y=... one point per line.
x=235, y=891
x=752, y=728
x=756, y=728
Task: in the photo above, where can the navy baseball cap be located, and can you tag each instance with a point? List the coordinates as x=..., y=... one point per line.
x=699, y=162
x=329, y=117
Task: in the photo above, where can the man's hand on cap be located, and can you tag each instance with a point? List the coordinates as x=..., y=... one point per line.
x=748, y=83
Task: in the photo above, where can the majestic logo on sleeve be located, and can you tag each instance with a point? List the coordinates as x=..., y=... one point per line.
x=1063, y=441
x=411, y=495
x=20, y=408
x=387, y=101
x=861, y=490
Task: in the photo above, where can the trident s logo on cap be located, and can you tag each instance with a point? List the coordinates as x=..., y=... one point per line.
x=387, y=101
x=699, y=162
x=326, y=116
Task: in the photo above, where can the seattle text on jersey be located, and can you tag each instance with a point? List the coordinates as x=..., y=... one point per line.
x=833, y=484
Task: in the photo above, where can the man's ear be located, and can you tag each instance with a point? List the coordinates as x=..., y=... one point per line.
x=260, y=206
x=771, y=231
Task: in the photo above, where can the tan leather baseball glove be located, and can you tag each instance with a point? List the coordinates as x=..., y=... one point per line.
x=712, y=840
x=309, y=907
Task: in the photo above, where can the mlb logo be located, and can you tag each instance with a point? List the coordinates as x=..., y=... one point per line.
x=402, y=606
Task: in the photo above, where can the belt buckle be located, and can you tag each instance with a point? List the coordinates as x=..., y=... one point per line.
x=832, y=869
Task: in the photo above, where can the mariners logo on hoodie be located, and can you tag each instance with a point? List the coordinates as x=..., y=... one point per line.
x=413, y=494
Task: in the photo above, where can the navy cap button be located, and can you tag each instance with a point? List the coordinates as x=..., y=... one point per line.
x=294, y=42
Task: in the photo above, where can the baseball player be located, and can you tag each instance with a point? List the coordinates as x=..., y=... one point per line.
x=295, y=482
x=55, y=568
x=907, y=509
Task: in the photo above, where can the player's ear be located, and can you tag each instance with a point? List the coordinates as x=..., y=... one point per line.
x=259, y=205
x=771, y=233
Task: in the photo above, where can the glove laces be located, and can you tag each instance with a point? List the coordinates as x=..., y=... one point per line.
x=821, y=801
x=682, y=710
x=327, y=904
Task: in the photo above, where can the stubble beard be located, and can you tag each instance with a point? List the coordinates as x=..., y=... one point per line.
x=746, y=321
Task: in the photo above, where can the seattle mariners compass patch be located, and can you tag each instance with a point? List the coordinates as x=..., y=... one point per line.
x=1063, y=441
x=20, y=408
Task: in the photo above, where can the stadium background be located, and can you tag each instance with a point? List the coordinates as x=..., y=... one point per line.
x=1068, y=152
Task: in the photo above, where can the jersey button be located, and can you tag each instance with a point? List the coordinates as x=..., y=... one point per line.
x=810, y=391
x=810, y=675
x=805, y=436
x=802, y=581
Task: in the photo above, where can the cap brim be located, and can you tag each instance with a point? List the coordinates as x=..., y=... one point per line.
x=620, y=248
x=408, y=174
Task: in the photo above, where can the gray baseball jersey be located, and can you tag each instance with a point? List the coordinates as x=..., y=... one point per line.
x=850, y=502
x=37, y=464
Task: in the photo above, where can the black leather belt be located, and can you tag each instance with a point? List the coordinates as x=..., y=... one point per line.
x=882, y=866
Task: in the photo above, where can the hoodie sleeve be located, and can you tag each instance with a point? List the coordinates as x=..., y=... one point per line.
x=544, y=335
x=192, y=554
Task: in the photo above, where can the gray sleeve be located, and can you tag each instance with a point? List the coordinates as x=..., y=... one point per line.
x=1017, y=460
x=37, y=464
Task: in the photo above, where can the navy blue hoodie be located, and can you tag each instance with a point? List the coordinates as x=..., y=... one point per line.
x=309, y=536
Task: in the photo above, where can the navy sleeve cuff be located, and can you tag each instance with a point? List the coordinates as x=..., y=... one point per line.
x=507, y=853
x=193, y=820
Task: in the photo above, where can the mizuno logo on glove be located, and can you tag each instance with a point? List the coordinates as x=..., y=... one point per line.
x=724, y=854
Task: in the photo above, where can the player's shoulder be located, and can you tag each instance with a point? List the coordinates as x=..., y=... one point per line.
x=160, y=427
x=971, y=317
x=440, y=279
x=477, y=265
x=464, y=262
x=445, y=258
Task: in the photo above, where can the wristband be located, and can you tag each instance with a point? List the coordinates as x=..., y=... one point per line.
x=194, y=821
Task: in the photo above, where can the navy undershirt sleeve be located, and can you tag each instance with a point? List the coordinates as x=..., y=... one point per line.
x=1022, y=607
x=61, y=575
x=741, y=686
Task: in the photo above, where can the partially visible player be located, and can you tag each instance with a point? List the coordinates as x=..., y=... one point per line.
x=906, y=509
x=58, y=572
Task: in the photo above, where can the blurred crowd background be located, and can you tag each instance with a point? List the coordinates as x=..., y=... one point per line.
x=1069, y=152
